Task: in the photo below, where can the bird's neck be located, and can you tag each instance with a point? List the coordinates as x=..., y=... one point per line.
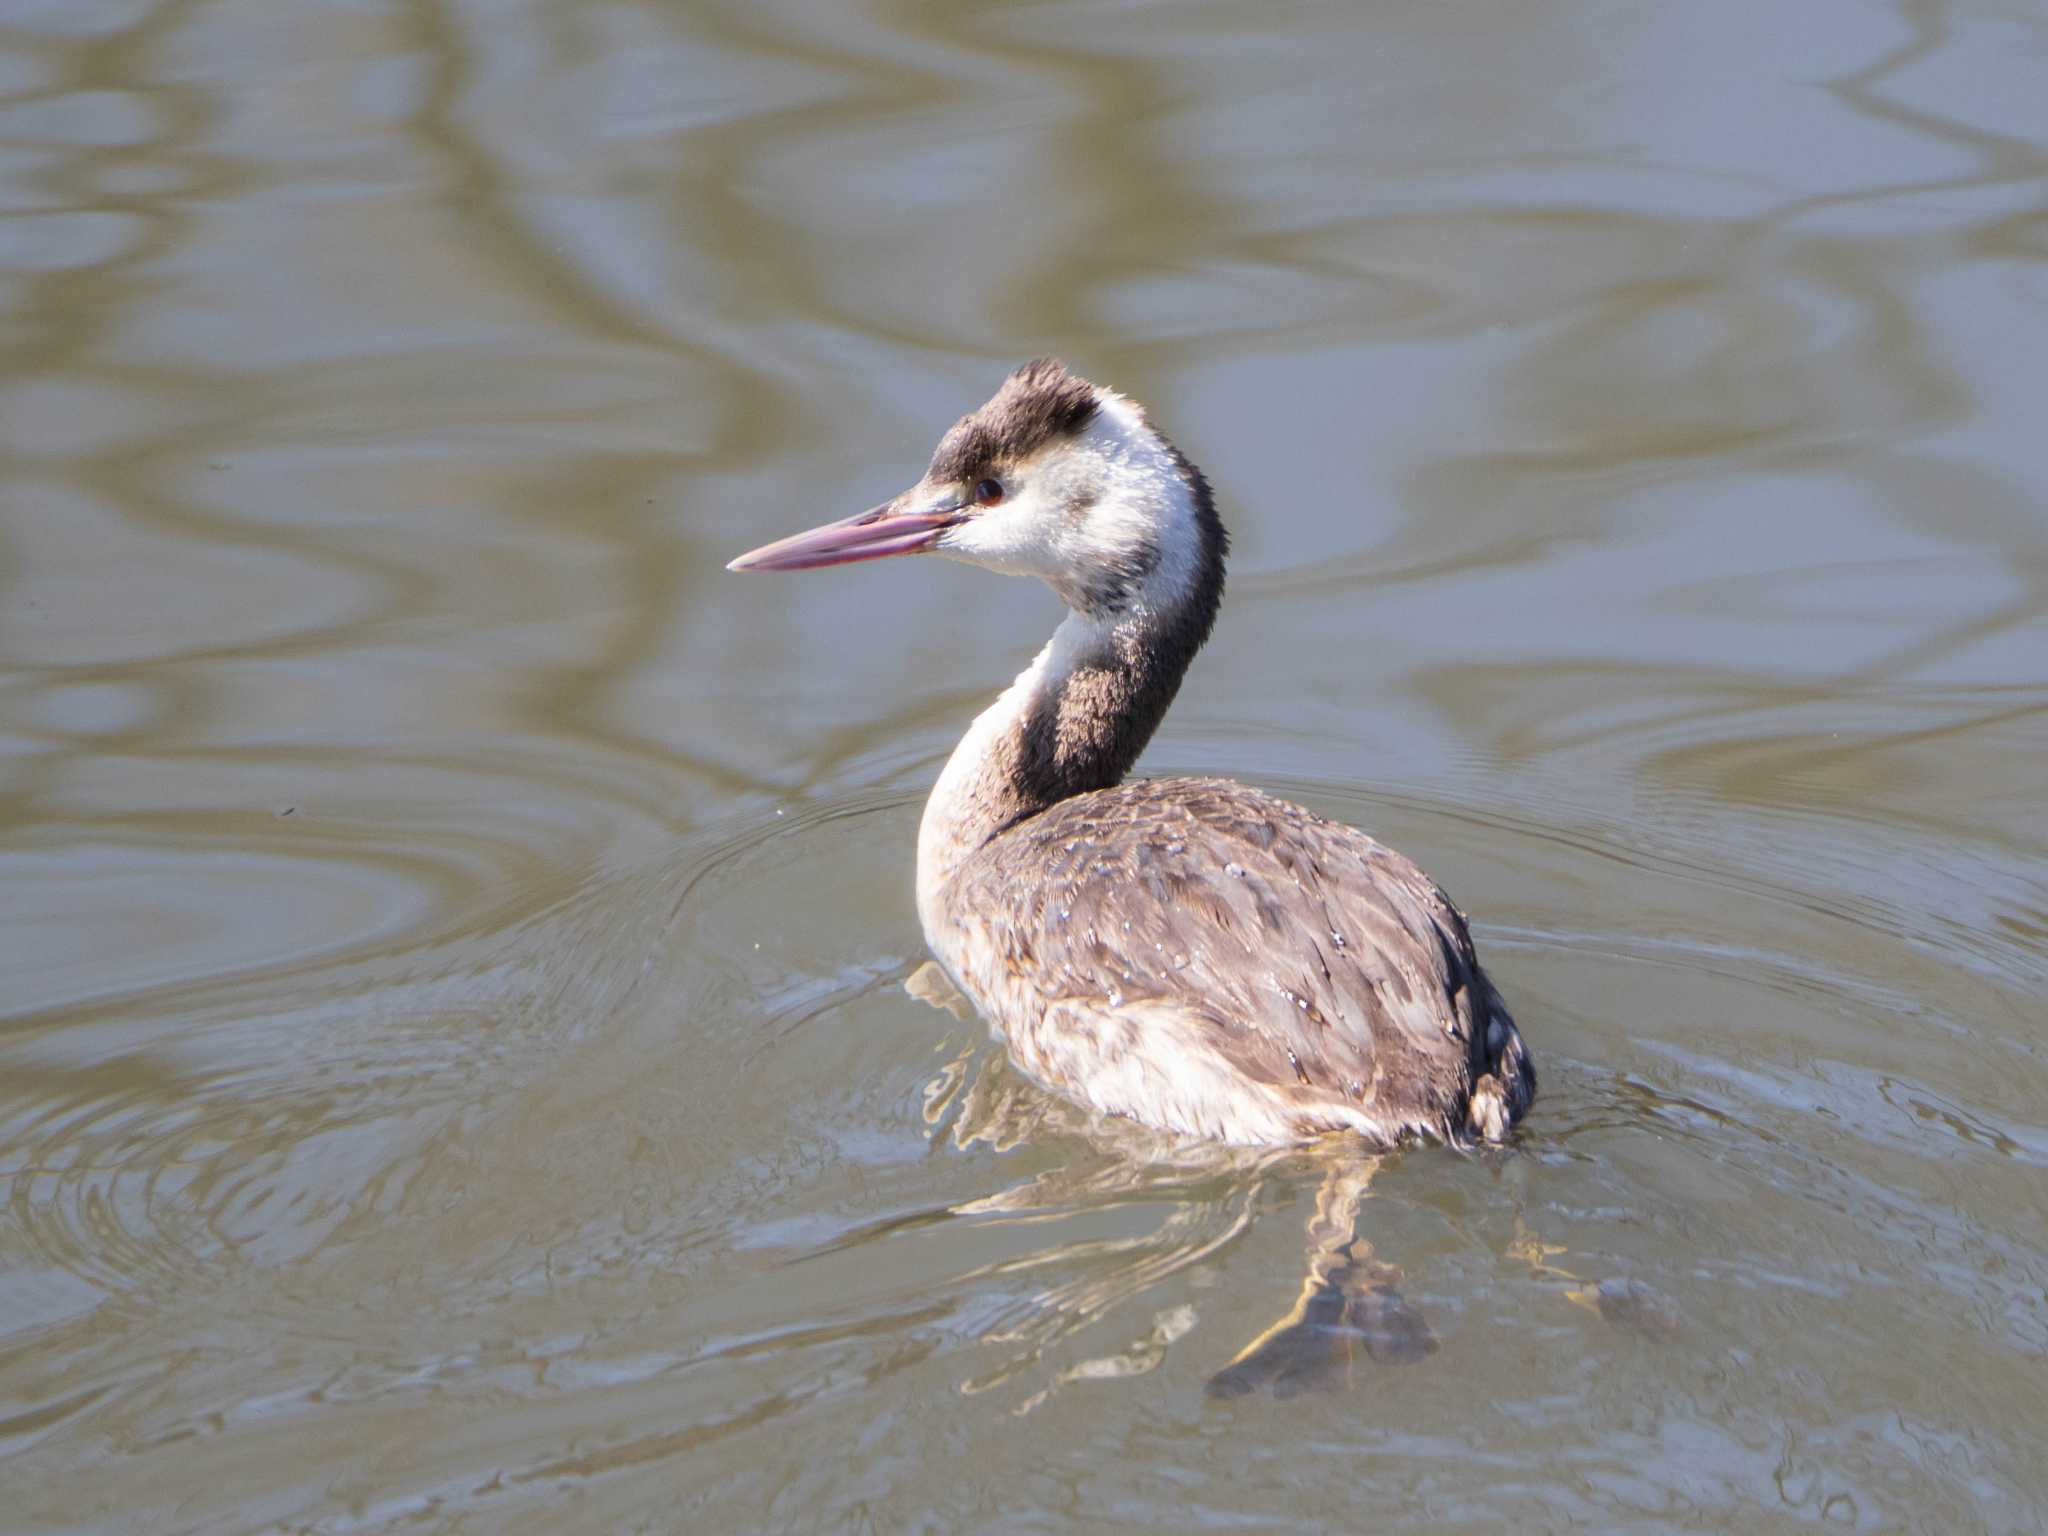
x=1075, y=720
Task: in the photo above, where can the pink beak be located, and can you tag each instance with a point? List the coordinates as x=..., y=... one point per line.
x=870, y=535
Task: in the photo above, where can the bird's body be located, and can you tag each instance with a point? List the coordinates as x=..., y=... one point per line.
x=1189, y=953
x=1199, y=956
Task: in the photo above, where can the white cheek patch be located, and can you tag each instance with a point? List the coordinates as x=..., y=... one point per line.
x=1107, y=511
x=1143, y=520
x=1018, y=538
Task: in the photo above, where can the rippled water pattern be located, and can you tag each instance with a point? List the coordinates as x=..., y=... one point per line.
x=455, y=1065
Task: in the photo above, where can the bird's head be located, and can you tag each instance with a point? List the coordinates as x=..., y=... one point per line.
x=1054, y=477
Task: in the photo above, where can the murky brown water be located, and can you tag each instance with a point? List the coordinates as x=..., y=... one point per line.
x=454, y=1070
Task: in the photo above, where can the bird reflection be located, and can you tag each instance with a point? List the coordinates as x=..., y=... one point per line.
x=1349, y=1317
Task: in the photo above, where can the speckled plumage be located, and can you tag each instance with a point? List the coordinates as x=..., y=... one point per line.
x=1206, y=958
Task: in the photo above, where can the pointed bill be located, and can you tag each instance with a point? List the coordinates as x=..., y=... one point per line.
x=875, y=534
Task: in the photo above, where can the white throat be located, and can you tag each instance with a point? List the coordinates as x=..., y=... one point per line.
x=968, y=803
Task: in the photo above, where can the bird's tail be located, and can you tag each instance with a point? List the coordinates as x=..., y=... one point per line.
x=1504, y=1091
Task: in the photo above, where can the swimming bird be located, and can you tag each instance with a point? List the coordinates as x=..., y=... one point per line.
x=1189, y=953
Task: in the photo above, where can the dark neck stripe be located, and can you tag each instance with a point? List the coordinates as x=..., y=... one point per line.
x=1086, y=733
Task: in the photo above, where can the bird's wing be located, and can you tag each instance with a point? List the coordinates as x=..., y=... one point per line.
x=1311, y=957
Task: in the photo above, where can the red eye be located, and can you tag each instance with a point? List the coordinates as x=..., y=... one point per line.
x=989, y=492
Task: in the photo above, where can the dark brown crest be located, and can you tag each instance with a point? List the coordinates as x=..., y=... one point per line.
x=1037, y=404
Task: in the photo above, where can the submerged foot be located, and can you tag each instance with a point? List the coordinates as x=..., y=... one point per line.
x=1354, y=1310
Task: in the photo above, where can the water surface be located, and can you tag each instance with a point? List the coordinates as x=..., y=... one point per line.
x=455, y=1068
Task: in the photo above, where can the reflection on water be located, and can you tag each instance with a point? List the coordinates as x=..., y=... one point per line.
x=454, y=1066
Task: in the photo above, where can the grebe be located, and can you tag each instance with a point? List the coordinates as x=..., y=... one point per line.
x=1189, y=953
